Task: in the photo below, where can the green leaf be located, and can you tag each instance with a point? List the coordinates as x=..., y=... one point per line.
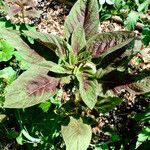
x=144, y=6
x=105, y=43
x=143, y=136
x=78, y=40
x=45, y=106
x=15, y=41
x=84, y=12
x=77, y=135
x=110, y=2
x=60, y=69
x=143, y=117
x=32, y=87
x=8, y=74
x=131, y=20
x=6, y=51
x=146, y=35
x=108, y=103
x=88, y=89
x=102, y=147
x=24, y=65
x=2, y=117
x=51, y=41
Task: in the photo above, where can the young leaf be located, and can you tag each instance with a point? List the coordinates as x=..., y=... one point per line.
x=84, y=12
x=88, y=89
x=131, y=20
x=77, y=135
x=105, y=43
x=144, y=6
x=8, y=74
x=51, y=41
x=25, y=51
x=60, y=69
x=32, y=87
x=78, y=39
x=6, y=51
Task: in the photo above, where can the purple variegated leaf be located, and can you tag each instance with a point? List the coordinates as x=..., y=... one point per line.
x=84, y=12
x=51, y=41
x=30, y=88
x=13, y=10
x=18, y=6
x=78, y=40
x=104, y=43
x=138, y=87
x=88, y=89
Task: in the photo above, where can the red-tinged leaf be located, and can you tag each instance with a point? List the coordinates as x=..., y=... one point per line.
x=88, y=89
x=138, y=87
x=32, y=13
x=17, y=6
x=84, y=12
x=15, y=41
x=106, y=43
x=78, y=39
x=13, y=10
x=32, y=87
x=51, y=41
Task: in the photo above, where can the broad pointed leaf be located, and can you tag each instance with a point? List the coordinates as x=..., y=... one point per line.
x=78, y=39
x=15, y=41
x=32, y=87
x=51, y=41
x=138, y=87
x=84, y=12
x=88, y=89
x=77, y=135
x=106, y=43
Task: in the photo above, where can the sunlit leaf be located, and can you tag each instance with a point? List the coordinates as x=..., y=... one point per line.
x=8, y=74
x=32, y=87
x=88, y=89
x=106, y=43
x=45, y=106
x=84, y=12
x=110, y=2
x=77, y=135
x=143, y=7
x=78, y=39
x=6, y=51
x=131, y=20
x=143, y=136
